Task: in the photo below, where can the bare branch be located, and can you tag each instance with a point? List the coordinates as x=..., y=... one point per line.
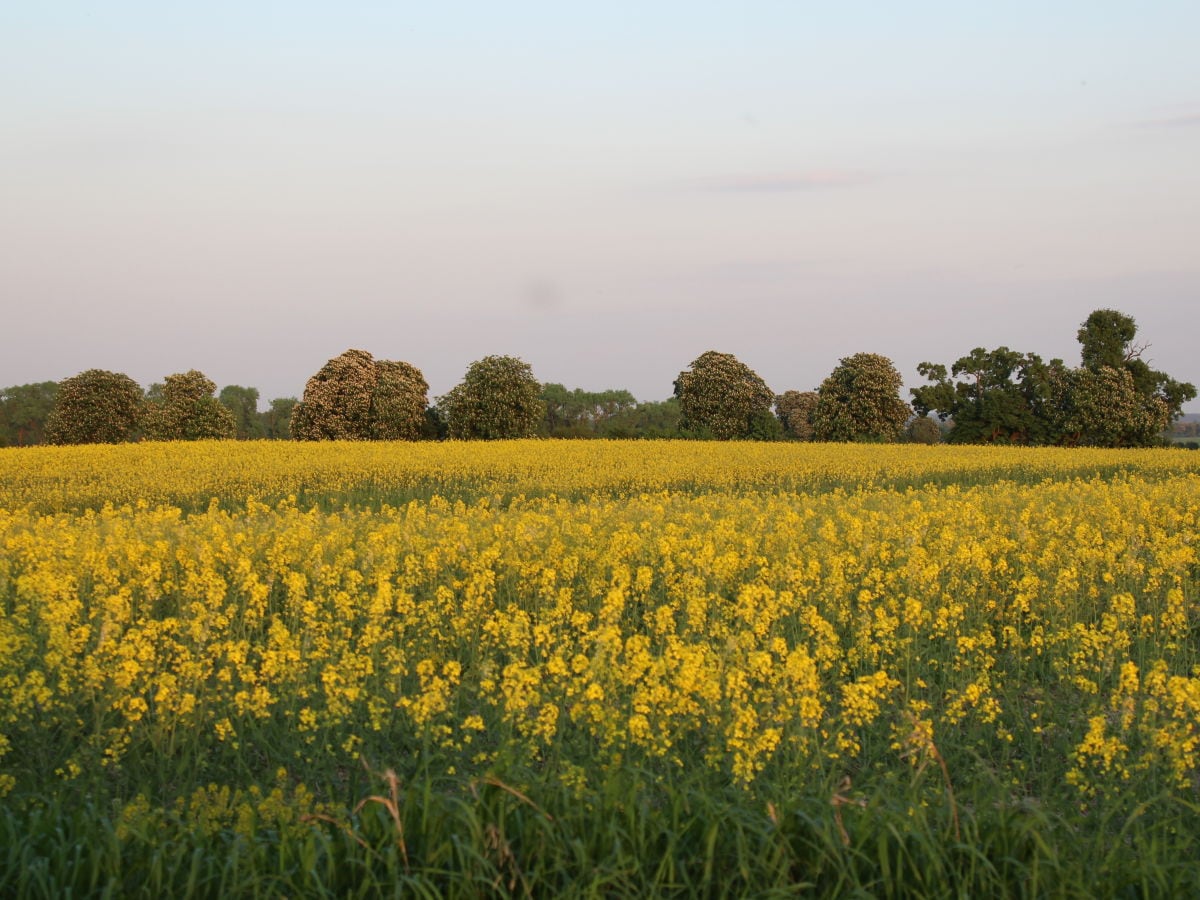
x=1135, y=351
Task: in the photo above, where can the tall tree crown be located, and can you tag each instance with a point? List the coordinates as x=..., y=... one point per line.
x=188, y=411
x=498, y=398
x=860, y=401
x=1106, y=338
x=95, y=407
x=721, y=395
x=354, y=397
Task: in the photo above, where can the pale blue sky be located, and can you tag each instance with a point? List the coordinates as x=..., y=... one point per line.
x=606, y=190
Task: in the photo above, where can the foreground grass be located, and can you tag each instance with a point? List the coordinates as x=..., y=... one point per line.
x=546, y=669
x=683, y=838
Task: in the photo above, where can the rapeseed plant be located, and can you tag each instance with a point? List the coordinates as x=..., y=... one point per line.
x=577, y=610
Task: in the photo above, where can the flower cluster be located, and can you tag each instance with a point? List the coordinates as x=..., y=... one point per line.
x=727, y=617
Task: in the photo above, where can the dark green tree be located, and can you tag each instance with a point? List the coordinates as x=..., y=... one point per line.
x=1106, y=338
x=720, y=396
x=435, y=427
x=355, y=397
x=1115, y=399
x=188, y=411
x=580, y=413
x=652, y=420
x=95, y=407
x=24, y=409
x=994, y=396
x=498, y=398
x=564, y=411
x=243, y=403
x=860, y=401
x=795, y=411
x=276, y=420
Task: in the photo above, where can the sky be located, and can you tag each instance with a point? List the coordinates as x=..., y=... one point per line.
x=606, y=190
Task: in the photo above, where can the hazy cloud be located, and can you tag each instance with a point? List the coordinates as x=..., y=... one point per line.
x=787, y=182
x=543, y=296
x=1185, y=118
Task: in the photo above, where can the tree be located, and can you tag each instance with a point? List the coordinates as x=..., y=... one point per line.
x=24, y=409
x=434, y=428
x=994, y=396
x=188, y=411
x=654, y=419
x=95, y=407
x=498, y=398
x=243, y=403
x=580, y=413
x=1141, y=406
x=721, y=396
x=1103, y=407
x=564, y=411
x=795, y=411
x=337, y=400
x=923, y=430
x=1106, y=338
x=765, y=426
x=860, y=401
x=1113, y=400
x=355, y=397
x=275, y=422
x=398, y=403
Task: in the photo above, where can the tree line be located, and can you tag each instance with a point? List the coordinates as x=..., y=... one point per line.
x=108, y=407
x=1113, y=399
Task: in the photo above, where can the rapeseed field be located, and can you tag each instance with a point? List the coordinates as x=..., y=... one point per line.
x=598, y=668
